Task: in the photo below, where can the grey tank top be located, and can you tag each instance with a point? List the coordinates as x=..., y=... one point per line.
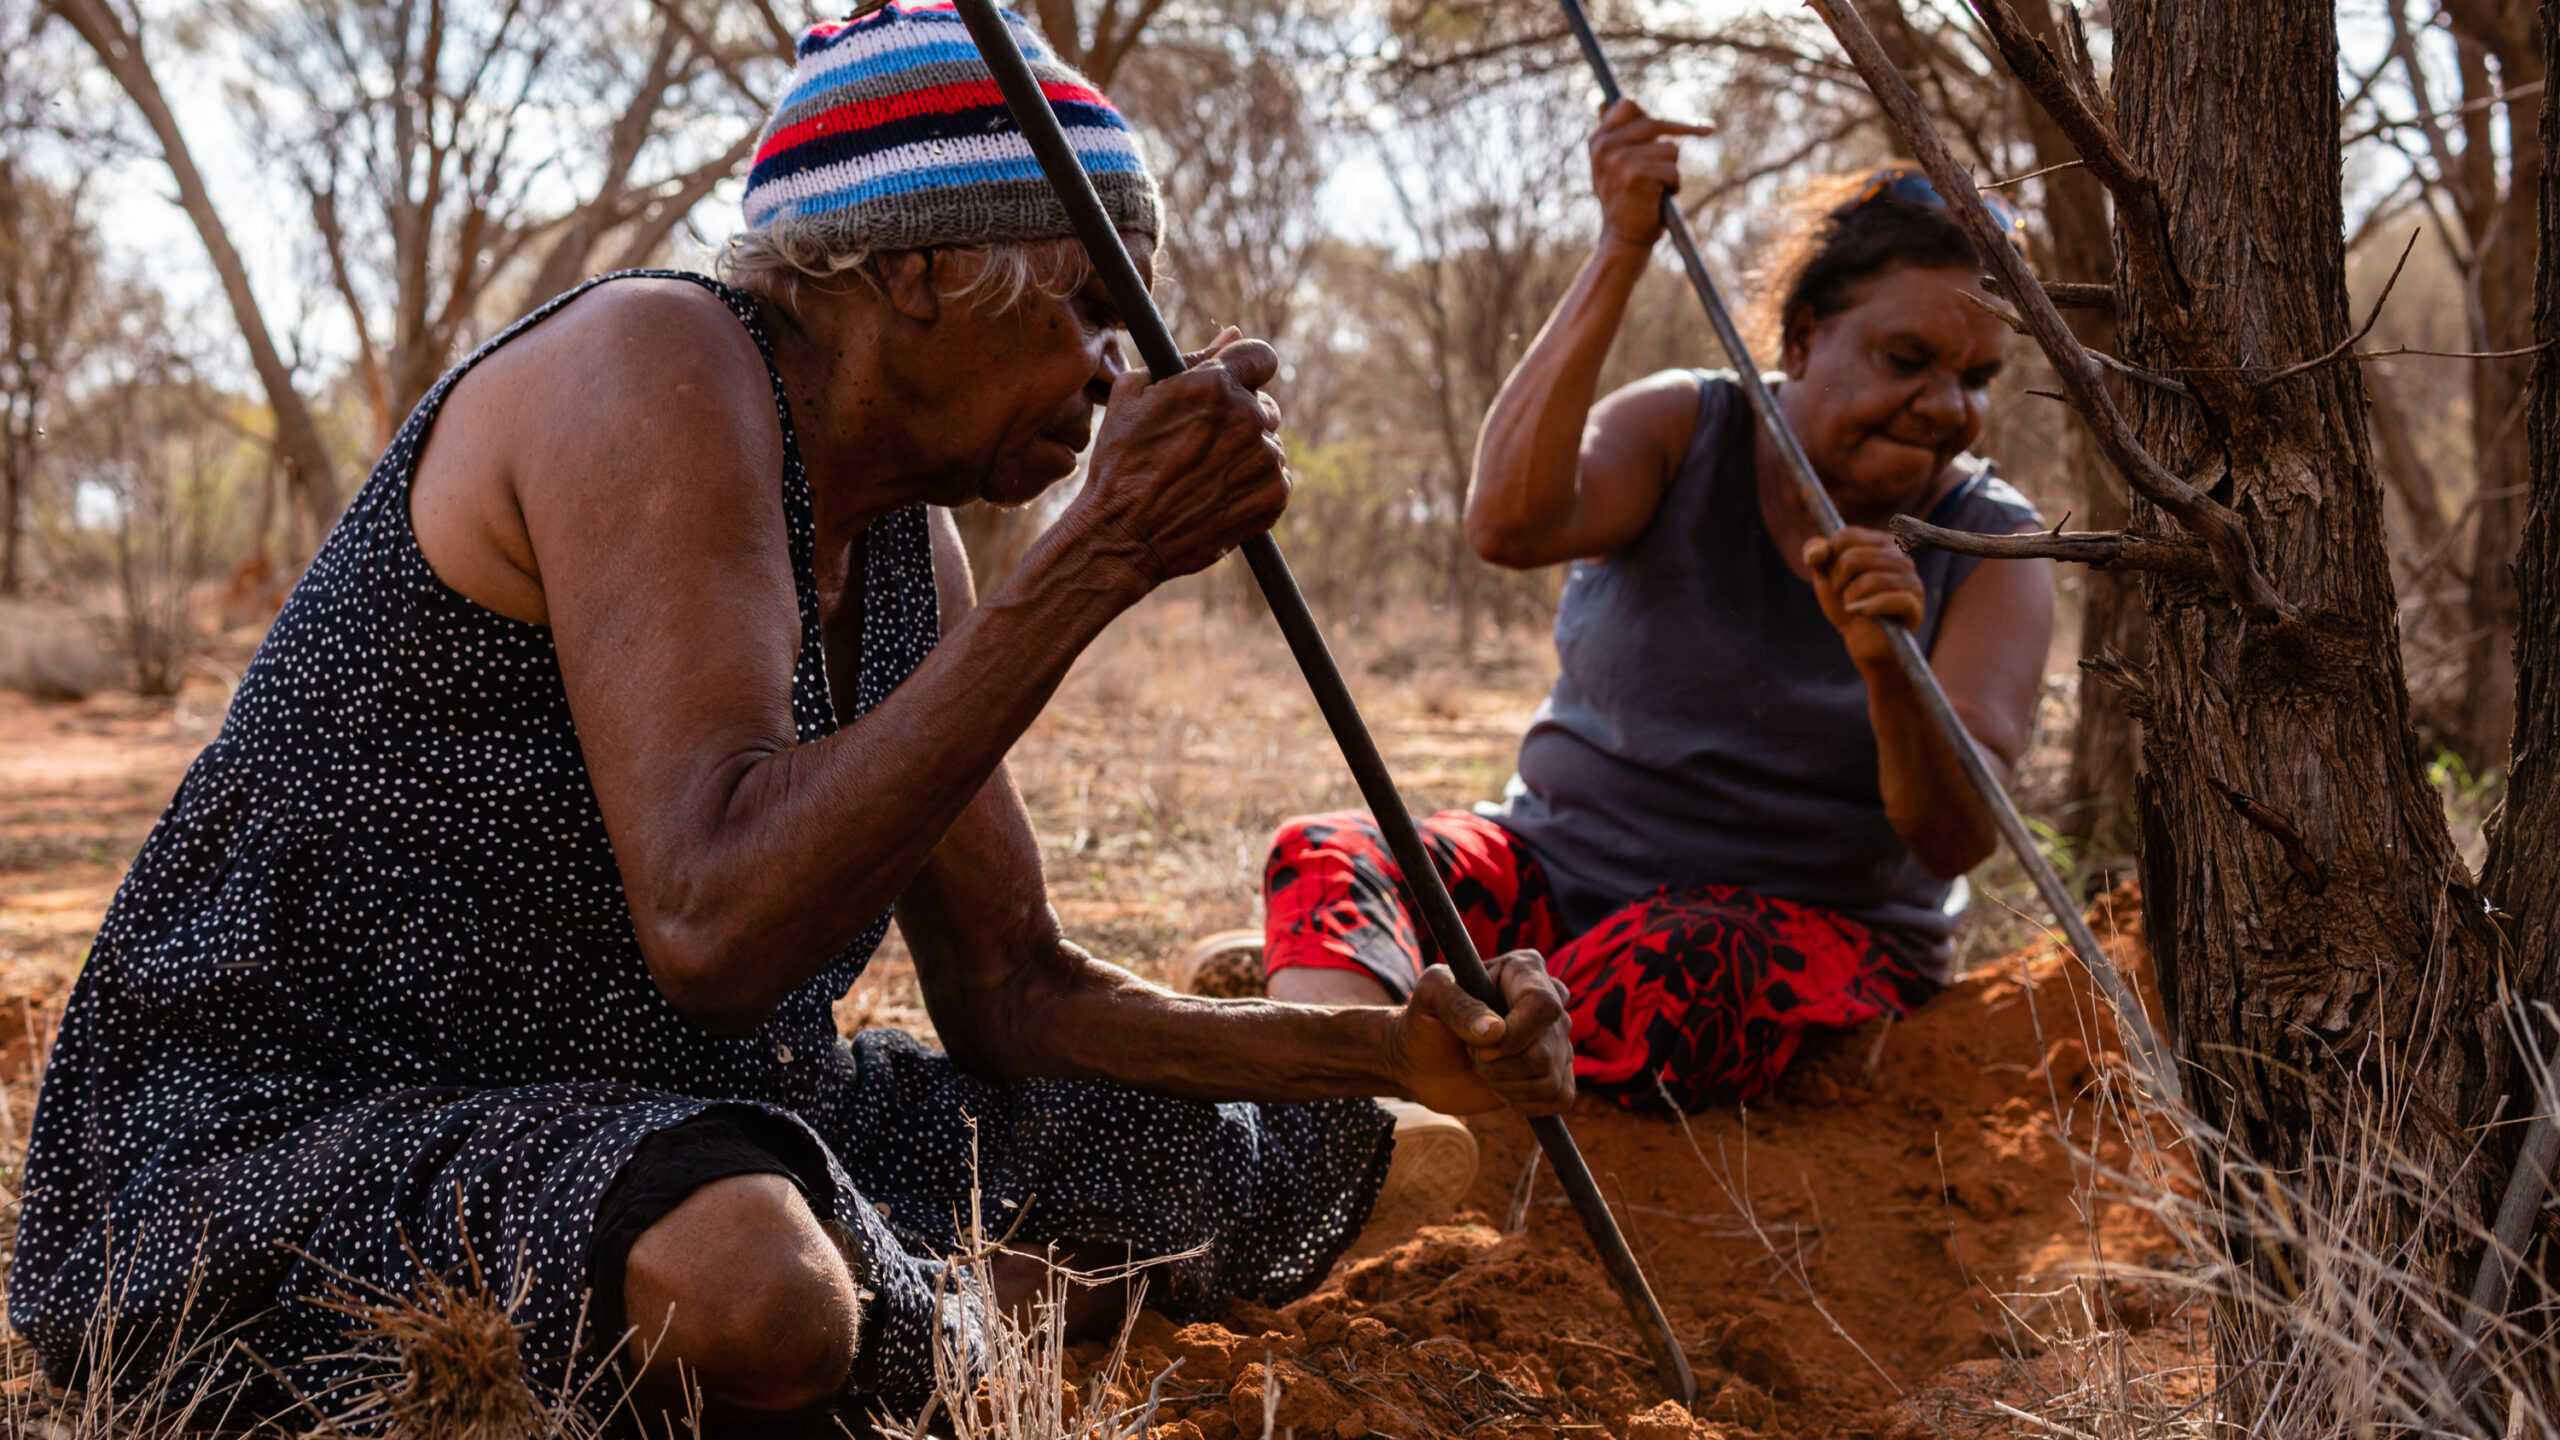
x=1708, y=727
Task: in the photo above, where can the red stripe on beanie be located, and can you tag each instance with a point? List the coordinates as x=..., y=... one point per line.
x=933, y=100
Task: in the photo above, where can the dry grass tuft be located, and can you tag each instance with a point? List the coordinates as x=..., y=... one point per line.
x=1014, y=1385
x=2310, y=1304
x=456, y=1369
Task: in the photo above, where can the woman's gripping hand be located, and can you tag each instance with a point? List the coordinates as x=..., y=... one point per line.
x=1634, y=163
x=1187, y=468
x=1451, y=1052
x=1863, y=578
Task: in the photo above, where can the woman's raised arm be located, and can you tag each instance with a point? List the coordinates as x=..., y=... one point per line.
x=1555, y=478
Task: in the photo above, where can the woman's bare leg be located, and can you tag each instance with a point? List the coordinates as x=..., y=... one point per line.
x=1309, y=985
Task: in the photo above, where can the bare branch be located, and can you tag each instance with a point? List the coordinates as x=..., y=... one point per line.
x=2349, y=344
x=2152, y=378
x=2097, y=549
x=2221, y=531
x=1813, y=68
x=2065, y=295
x=2397, y=350
x=2127, y=369
x=2035, y=174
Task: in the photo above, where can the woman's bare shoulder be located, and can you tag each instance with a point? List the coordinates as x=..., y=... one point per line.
x=1645, y=427
x=647, y=341
x=1661, y=396
x=643, y=397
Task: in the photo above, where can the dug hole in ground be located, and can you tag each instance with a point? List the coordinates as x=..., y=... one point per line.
x=1928, y=1226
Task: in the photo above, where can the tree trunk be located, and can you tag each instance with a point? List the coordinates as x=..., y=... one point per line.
x=306, y=459
x=2420, y=497
x=2504, y=273
x=2321, y=950
x=13, y=518
x=2522, y=874
x=2103, y=742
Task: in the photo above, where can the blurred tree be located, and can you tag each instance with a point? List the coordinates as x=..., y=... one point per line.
x=441, y=144
x=1485, y=192
x=2479, y=184
x=113, y=31
x=48, y=268
x=160, y=469
x=1099, y=42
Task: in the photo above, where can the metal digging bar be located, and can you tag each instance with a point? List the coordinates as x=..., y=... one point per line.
x=1022, y=95
x=2132, y=1021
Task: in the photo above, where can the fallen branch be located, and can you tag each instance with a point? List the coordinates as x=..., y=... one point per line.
x=2234, y=556
x=2097, y=549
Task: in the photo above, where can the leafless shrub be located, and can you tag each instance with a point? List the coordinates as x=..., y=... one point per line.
x=52, y=653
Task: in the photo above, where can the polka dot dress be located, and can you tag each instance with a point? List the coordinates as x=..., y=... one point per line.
x=370, y=1001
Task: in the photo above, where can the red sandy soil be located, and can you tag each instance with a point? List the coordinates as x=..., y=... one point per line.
x=80, y=785
x=1909, y=1176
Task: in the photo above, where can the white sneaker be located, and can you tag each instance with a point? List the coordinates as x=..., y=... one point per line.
x=1227, y=965
x=1433, y=1167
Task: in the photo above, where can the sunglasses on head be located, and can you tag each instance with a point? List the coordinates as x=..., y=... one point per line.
x=1911, y=187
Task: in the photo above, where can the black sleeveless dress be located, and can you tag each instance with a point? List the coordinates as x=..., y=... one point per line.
x=370, y=1002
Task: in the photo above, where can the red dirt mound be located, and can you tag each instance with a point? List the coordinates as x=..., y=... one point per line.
x=1909, y=1176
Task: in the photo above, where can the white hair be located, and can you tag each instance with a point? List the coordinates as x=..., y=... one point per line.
x=776, y=260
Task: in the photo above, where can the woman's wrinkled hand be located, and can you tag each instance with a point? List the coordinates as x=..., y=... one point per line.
x=1863, y=578
x=1454, y=1054
x=1186, y=469
x=1634, y=163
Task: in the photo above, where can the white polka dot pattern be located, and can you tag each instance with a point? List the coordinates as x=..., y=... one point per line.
x=370, y=1000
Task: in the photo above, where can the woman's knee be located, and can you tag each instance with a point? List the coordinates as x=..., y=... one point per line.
x=741, y=1292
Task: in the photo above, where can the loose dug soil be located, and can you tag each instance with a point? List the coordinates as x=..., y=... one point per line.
x=1910, y=1176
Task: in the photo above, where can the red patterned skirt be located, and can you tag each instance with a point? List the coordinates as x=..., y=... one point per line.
x=1705, y=992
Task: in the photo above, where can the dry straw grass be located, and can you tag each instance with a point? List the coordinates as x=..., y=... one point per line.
x=1008, y=1379
x=2301, y=1305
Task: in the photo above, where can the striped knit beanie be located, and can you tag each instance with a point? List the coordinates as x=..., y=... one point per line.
x=893, y=136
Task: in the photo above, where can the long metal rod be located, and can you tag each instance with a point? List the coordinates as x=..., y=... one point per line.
x=1163, y=358
x=2132, y=1021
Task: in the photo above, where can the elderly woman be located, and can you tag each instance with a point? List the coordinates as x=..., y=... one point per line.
x=496, y=935
x=1732, y=821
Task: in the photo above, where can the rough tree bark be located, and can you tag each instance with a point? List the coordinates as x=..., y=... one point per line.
x=2521, y=877
x=118, y=47
x=2318, y=939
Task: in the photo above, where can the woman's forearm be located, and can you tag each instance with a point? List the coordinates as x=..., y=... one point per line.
x=1522, y=502
x=1078, y=1021
x=810, y=842
x=1927, y=799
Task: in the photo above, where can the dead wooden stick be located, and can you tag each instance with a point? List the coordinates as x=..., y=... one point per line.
x=2065, y=294
x=2097, y=549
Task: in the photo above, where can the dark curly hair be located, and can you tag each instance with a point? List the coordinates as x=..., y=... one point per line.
x=1836, y=240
